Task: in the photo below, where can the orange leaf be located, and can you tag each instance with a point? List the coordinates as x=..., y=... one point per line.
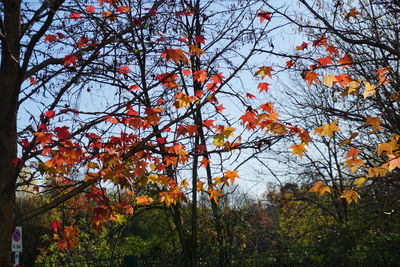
x=346, y=61
x=394, y=163
x=143, y=200
x=311, y=77
x=176, y=55
x=231, y=175
x=320, y=188
x=325, y=60
x=303, y=46
x=298, y=149
x=352, y=152
x=352, y=14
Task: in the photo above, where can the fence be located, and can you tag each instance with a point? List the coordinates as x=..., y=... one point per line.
x=384, y=254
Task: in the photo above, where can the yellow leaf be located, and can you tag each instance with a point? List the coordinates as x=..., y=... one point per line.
x=329, y=80
x=327, y=129
x=219, y=140
x=350, y=196
x=360, y=181
x=298, y=149
x=370, y=89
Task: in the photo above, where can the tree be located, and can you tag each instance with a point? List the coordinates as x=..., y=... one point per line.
x=132, y=102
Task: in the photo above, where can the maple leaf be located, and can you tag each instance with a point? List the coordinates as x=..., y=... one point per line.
x=329, y=80
x=219, y=140
x=263, y=87
x=352, y=14
x=327, y=129
x=176, y=55
x=200, y=185
x=55, y=225
x=360, y=181
x=70, y=60
x=204, y=162
x=332, y=50
x=290, y=63
x=298, y=149
x=370, y=89
x=322, y=41
x=49, y=114
x=394, y=163
x=200, y=76
x=75, y=16
x=350, y=196
x=264, y=71
x=325, y=60
x=32, y=80
x=109, y=15
x=250, y=96
x=90, y=9
x=264, y=15
x=62, y=245
x=122, y=9
x=346, y=61
x=124, y=70
x=231, y=175
x=51, y=38
x=354, y=163
x=311, y=77
x=320, y=188
x=375, y=122
x=143, y=200
x=352, y=152
x=186, y=72
x=194, y=49
x=199, y=39
x=303, y=46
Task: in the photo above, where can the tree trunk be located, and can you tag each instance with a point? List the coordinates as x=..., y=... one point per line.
x=9, y=80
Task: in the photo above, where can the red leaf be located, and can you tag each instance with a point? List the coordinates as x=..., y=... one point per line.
x=50, y=114
x=51, y=38
x=75, y=16
x=32, y=80
x=69, y=60
x=55, y=225
x=199, y=39
x=122, y=9
x=161, y=140
x=250, y=96
x=263, y=15
x=124, y=70
x=263, y=87
x=90, y=9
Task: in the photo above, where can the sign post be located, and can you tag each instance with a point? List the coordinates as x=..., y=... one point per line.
x=16, y=244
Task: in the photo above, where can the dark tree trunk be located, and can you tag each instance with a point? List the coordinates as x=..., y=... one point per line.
x=9, y=82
